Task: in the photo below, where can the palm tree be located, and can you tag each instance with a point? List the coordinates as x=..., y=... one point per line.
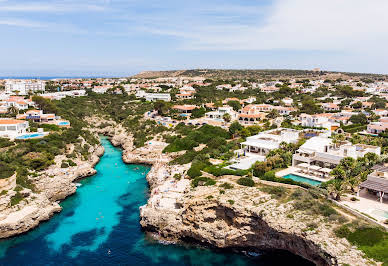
x=337, y=139
x=227, y=117
x=13, y=110
x=336, y=189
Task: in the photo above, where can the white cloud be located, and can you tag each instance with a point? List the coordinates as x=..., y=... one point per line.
x=22, y=23
x=66, y=6
x=330, y=25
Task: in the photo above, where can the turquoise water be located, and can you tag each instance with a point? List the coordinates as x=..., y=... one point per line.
x=30, y=136
x=99, y=225
x=63, y=123
x=303, y=179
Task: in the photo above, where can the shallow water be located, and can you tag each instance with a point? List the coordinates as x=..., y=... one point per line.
x=99, y=225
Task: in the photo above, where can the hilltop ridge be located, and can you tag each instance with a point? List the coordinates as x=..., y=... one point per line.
x=253, y=73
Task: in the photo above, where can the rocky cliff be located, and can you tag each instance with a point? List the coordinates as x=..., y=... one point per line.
x=52, y=185
x=247, y=218
x=237, y=218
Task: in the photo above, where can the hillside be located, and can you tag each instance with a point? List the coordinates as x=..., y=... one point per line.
x=253, y=74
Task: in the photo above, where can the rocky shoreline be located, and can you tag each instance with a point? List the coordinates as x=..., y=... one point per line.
x=53, y=185
x=239, y=218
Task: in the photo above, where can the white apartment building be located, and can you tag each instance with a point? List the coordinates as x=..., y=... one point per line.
x=158, y=97
x=23, y=87
x=12, y=128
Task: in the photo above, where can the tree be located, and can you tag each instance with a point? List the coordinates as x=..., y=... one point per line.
x=357, y=105
x=273, y=114
x=161, y=107
x=227, y=117
x=198, y=112
x=13, y=110
x=235, y=127
x=359, y=119
x=235, y=105
x=336, y=189
x=44, y=104
x=309, y=106
x=337, y=139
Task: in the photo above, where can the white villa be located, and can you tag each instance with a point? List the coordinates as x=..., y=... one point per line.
x=255, y=148
x=221, y=111
x=318, y=121
x=320, y=151
x=153, y=96
x=262, y=143
x=12, y=128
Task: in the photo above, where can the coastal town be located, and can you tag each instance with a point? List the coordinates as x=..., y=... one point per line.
x=252, y=140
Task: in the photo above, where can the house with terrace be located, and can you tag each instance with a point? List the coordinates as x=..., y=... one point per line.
x=251, y=114
x=221, y=111
x=256, y=148
x=319, y=121
x=185, y=110
x=12, y=128
x=321, y=152
x=36, y=116
x=262, y=143
x=330, y=107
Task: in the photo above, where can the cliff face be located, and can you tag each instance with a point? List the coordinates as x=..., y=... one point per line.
x=53, y=184
x=249, y=219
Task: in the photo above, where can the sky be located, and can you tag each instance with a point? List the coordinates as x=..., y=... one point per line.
x=118, y=37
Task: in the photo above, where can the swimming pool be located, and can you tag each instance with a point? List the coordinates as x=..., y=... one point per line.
x=64, y=123
x=30, y=136
x=380, y=213
x=302, y=179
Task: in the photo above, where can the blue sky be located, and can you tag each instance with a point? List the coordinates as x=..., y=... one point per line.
x=117, y=37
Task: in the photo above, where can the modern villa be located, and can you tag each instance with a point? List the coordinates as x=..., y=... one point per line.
x=221, y=111
x=320, y=151
x=12, y=128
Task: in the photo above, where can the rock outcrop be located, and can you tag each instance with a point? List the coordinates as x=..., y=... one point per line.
x=246, y=218
x=53, y=185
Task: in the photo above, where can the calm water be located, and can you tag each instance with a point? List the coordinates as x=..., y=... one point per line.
x=303, y=179
x=99, y=225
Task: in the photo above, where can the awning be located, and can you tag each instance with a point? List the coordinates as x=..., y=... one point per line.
x=303, y=165
x=326, y=170
x=376, y=184
x=315, y=168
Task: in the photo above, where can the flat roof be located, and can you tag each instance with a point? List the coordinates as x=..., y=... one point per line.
x=11, y=121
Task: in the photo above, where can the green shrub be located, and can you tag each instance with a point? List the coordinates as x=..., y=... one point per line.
x=231, y=202
x=202, y=181
x=226, y=185
x=245, y=181
x=343, y=231
x=64, y=165
x=16, y=199
x=71, y=163
x=276, y=192
x=6, y=170
x=194, y=171
x=326, y=210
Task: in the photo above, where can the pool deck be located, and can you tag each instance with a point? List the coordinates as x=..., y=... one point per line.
x=294, y=171
x=368, y=204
